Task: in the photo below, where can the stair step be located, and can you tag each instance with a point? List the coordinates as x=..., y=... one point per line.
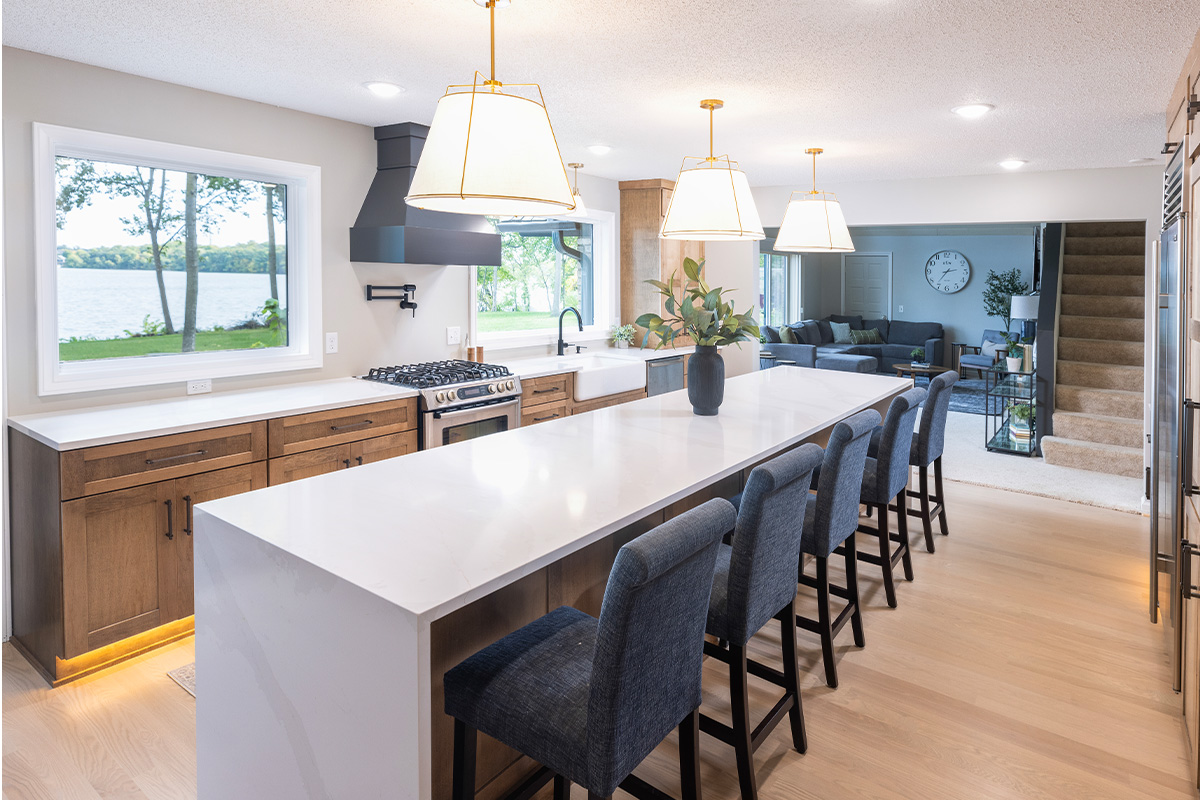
x=1104, y=245
x=1119, y=328
x=1104, y=265
x=1101, y=376
x=1105, y=402
x=1092, y=456
x=1085, y=305
x=1120, y=431
x=1106, y=229
x=1102, y=351
x=1107, y=285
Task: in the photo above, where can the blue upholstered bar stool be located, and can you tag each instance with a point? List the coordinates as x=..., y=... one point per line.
x=590, y=699
x=926, y=450
x=829, y=523
x=884, y=480
x=755, y=582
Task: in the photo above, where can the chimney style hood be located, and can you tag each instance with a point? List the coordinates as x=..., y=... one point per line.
x=388, y=230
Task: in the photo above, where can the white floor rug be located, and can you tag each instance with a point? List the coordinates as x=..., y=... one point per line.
x=966, y=459
x=185, y=676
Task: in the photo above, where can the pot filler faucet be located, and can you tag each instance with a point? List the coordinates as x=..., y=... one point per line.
x=561, y=344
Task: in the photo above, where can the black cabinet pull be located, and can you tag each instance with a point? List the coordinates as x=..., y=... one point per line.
x=346, y=461
x=187, y=505
x=351, y=426
x=359, y=460
x=153, y=461
x=551, y=389
x=170, y=520
x=543, y=419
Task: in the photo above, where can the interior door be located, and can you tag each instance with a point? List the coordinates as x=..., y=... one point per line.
x=867, y=285
x=1188, y=636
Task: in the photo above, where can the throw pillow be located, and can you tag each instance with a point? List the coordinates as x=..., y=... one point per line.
x=826, y=331
x=788, y=335
x=772, y=335
x=841, y=332
x=990, y=348
x=855, y=322
x=869, y=336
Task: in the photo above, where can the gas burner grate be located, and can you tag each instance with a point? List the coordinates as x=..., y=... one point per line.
x=436, y=373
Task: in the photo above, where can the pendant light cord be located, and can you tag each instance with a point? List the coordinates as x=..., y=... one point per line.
x=711, y=151
x=492, y=10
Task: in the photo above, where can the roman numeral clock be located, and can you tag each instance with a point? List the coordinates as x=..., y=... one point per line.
x=947, y=271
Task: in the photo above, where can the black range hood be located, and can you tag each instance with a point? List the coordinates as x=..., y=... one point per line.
x=389, y=230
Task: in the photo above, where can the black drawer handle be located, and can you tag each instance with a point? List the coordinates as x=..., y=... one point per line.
x=153, y=461
x=346, y=461
x=170, y=519
x=359, y=460
x=545, y=391
x=187, y=504
x=543, y=419
x=351, y=426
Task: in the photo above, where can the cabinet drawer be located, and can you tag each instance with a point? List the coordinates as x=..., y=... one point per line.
x=543, y=413
x=546, y=389
x=340, y=425
x=309, y=463
x=119, y=466
x=383, y=447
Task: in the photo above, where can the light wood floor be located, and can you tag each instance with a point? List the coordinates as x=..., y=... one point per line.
x=1020, y=664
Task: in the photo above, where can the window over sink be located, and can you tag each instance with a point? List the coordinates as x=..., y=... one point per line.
x=160, y=262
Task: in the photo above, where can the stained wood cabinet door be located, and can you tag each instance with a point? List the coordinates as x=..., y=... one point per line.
x=116, y=548
x=383, y=447
x=308, y=464
x=178, y=587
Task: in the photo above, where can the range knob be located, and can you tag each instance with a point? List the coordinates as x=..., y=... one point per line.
x=451, y=395
x=441, y=397
x=491, y=388
x=509, y=386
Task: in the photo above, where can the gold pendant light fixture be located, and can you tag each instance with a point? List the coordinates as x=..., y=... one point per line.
x=813, y=222
x=580, y=208
x=712, y=200
x=491, y=150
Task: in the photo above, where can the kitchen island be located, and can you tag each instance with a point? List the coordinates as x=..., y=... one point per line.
x=328, y=609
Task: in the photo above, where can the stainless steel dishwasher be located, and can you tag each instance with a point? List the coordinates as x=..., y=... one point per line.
x=664, y=375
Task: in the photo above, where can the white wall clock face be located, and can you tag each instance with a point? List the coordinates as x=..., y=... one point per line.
x=947, y=271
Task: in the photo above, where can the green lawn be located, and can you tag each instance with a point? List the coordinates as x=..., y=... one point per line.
x=493, y=321
x=147, y=345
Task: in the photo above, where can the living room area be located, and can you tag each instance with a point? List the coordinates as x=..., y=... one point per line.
x=1043, y=324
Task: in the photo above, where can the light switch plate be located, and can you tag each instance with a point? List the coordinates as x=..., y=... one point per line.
x=453, y=334
x=199, y=387
x=331, y=343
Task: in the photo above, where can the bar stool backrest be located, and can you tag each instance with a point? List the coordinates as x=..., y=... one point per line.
x=840, y=485
x=650, y=640
x=895, y=443
x=931, y=438
x=766, y=541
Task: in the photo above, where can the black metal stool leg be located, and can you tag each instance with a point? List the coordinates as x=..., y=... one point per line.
x=926, y=519
x=856, y=621
x=739, y=697
x=465, y=738
x=905, y=550
x=791, y=675
x=885, y=556
x=825, y=622
x=941, y=495
x=689, y=756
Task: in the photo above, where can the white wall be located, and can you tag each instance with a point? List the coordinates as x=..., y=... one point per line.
x=734, y=265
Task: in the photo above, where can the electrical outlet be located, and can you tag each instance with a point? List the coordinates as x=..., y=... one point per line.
x=199, y=387
x=900, y=309
x=453, y=335
x=331, y=343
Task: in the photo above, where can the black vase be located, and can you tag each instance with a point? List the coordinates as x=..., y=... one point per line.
x=706, y=380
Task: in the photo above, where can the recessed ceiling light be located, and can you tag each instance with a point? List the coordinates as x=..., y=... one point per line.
x=973, y=110
x=383, y=88
x=599, y=149
x=1013, y=163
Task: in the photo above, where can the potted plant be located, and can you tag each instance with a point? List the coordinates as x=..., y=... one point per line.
x=1016, y=353
x=622, y=335
x=701, y=314
x=918, y=357
x=998, y=291
x=1020, y=417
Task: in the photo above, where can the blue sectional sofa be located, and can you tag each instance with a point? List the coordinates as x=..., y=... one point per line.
x=816, y=346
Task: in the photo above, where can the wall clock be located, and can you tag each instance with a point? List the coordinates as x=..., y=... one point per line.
x=947, y=271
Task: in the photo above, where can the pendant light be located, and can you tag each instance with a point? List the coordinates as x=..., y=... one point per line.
x=580, y=208
x=491, y=151
x=712, y=200
x=813, y=222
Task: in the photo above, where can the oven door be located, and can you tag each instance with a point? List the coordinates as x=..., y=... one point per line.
x=458, y=425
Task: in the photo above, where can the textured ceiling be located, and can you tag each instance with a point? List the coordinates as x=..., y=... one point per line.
x=1076, y=83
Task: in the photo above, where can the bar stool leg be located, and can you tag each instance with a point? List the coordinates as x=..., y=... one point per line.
x=562, y=788
x=825, y=623
x=791, y=676
x=885, y=556
x=465, y=738
x=689, y=756
x=941, y=495
x=926, y=519
x=905, y=550
x=740, y=700
x=856, y=621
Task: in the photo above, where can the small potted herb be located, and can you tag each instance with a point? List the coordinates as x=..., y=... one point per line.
x=622, y=335
x=918, y=357
x=1020, y=417
x=1016, y=354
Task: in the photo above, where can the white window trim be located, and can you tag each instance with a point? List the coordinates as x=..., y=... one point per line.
x=608, y=303
x=303, y=183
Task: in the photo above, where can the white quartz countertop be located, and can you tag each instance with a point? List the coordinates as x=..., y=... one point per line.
x=70, y=430
x=538, y=366
x=469, y=518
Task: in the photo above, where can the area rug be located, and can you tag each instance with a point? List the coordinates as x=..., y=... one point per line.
x=967, y=396
x=185, y=676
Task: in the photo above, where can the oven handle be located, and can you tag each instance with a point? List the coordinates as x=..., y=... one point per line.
x=476, y=409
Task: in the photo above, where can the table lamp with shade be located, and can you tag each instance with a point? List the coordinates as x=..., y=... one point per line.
x=1025, y=308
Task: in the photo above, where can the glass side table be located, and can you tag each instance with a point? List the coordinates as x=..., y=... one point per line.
x=1010, y=416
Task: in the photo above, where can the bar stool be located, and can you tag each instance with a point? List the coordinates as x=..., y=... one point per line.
x=884, y=479
x=830, y=522
x=589, y=699
x=755, y=583
x=927, y=449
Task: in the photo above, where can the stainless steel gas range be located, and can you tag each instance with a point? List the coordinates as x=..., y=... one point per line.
x=459, y=400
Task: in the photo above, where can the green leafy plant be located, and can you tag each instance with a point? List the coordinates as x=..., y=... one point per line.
x=276, y=319
x=1021, y=412
x=998, y=291
x=917, y=354
x=622, y=333
x=699, y=312
x=150, y=327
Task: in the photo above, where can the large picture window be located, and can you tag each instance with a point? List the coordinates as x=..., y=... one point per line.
x=773, y=289
x=160, y=262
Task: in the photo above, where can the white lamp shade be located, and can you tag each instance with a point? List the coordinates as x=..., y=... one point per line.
x=813, y=223
x=492, y=154
x=580, y=208
x=712, y=203
x=1024, y=306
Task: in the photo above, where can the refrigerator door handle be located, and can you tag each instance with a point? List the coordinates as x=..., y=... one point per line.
x=1189, y=590
x=1186, y=455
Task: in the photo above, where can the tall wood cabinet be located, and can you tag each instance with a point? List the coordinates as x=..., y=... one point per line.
x=644, y=255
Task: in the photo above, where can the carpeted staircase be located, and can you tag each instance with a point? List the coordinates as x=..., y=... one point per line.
x=1098, y=397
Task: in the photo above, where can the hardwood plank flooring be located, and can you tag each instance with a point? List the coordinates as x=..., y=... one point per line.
x=1020, y=663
